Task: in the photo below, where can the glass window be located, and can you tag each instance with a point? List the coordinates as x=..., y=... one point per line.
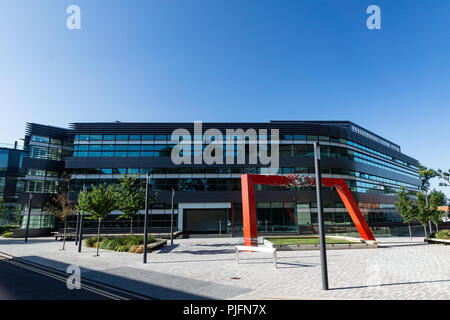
x=56, y=141
x=95, y=147
x=122, y=137
x=121, y=147
x=160, y=137
x=135, y=137
x=147, y=153
x=286, y=137
x=109, y=137
x=134, y=147
x=121, y=153
x=147, y=137
x=108, y=147
x=94, y=154
x=95, y=137
x=40, y=139
x=311, y=138
x=108, y=154
x=84, y=137
x=133, y=171
x=122, y=171
x=134, y=153
x=77, y=137
x=147, y=147
x=82, y=154
x=299, y=137
x=106, y=171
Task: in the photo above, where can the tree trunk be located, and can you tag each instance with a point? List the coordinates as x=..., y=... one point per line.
x=98, y=235
x=131, y=226
x=437, y=228
x=64, y=238
x=410, y=234
x=425, y=229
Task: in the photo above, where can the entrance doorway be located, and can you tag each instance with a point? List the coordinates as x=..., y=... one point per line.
x=205, y=220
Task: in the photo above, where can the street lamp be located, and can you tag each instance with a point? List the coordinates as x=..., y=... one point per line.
x=171, y=219
x=323, y=254
x=29, y=216
x=146, y=217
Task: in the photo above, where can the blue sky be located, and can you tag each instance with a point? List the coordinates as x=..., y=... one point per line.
x=233, y=60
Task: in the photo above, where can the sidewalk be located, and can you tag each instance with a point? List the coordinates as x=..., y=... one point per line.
x=205, y=268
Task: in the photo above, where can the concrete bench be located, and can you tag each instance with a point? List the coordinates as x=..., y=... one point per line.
x=256, y=249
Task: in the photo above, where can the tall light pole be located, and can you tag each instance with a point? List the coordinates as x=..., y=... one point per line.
x=146, y=217
x=80, y=227
x=171, y=219
x=323, y=253
x=29, y=216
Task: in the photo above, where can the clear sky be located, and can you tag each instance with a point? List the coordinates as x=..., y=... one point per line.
x=231, y=60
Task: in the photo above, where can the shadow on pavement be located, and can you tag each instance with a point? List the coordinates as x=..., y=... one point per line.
x=150, y=283
x=390, y=284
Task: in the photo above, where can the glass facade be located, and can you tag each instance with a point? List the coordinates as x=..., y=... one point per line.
x=379, y=172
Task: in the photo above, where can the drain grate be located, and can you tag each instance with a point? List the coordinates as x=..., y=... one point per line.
x=235, y=278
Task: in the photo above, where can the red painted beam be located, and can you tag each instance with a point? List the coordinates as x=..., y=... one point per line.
x=248, y=182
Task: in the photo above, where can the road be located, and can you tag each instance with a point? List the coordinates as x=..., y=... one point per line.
x=20, y=280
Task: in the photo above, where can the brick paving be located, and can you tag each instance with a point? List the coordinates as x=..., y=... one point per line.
x=206, y=268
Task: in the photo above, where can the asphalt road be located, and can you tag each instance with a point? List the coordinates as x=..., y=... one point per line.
x=25, y=281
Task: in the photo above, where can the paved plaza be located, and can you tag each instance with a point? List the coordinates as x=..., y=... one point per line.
x=206, y=268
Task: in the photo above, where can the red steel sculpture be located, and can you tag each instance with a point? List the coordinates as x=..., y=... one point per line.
x=248, y=182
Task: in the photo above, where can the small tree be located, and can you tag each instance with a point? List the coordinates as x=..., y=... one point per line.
x=405, y=208
x=130, y=198
x=98, y=203
x=61, y=207
x=437, y=199
x=423, y=212
x=2, y=208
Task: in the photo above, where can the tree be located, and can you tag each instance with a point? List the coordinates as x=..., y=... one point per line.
x=2, y=208
x=130, y=198
x=444, y=175
x=423, y=212
x=98, y=203
x=437, y=199
x=61, y=207
x=426, y=175
x=405, y=208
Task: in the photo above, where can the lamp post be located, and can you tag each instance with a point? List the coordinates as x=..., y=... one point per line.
x=29, y=216
x=323, y=254
x=80, y=227
x=146, y=218
x=171, y=219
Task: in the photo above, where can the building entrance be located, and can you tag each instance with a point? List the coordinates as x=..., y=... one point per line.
x=205, y=220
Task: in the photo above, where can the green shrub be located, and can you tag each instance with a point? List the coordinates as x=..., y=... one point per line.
x=432, y=235
x=7, y=234
x=444, y=234
x=92, y=242
x=133, y=249
x=8, y=227
x=121, y=244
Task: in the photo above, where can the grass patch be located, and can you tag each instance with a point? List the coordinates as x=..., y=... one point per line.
x=300, y=241
x=133, y=244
